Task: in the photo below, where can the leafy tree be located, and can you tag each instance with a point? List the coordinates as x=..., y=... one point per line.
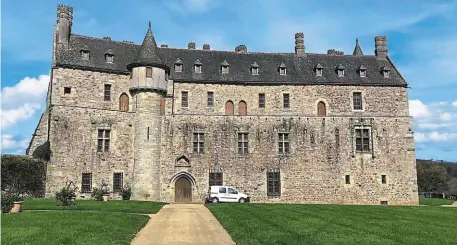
x=432, y=177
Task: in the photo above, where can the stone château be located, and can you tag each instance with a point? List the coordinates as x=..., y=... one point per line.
x=293, y=127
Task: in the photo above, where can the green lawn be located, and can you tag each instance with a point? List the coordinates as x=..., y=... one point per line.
x=126, y=206
x=66, y=227
x=435, y=201
x=337, y=224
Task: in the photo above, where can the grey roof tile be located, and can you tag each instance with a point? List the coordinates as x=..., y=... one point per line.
x=340, y=67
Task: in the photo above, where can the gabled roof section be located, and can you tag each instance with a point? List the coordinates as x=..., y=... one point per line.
x=282, y=65
x=178, y=61
x=148, y=55
x=225, y=63
x=318, y=66
x=357, y=49
x=340, y=67
x=255, y=65
x=362, y=68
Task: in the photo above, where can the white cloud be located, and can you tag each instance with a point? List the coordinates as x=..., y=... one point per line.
x=418, y=109
x=445, y=116
x=12, y=116
x=9, y=142
x=435, y=137
x=454, y=103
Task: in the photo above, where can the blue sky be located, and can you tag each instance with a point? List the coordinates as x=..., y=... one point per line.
x=421, y=37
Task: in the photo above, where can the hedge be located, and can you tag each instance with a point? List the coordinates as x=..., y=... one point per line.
x=24, y=175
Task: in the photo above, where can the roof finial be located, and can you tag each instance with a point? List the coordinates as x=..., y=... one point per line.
x=149, y=26
x=356, y=40
x=357, y=49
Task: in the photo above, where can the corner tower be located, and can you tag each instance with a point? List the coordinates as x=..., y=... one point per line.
x=147, y=85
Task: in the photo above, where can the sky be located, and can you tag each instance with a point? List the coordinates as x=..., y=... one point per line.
x=421, y=38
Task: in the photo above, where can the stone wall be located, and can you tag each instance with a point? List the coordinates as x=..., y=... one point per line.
x=314, y=171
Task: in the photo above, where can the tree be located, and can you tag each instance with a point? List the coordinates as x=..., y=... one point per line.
x=432, y=177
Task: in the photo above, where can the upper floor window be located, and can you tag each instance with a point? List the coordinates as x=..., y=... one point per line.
x=85, y=54
x=282, y=69
x=210, y=99
x=385, y=71
x=148, y=71
x=255, y=69
x=362, y=140
x=184, y=99
x=273, y=183
x=243, y=141
x=319, y=69
x=103, y=140
x=261, y=100
x=124, y=102
x=117, y=181
x=321, y=110
x=229, y=110
x=362, y=71
x=283, y=143
x=242, y=108
x=109, y=58
x=107, y=92
x=225, y=67
x=67, y=90
x=285, y=100
x=178, y=65
x=198, y=66
x=340, y=70
x=86, y=182
x=198, y=143
x=357, y=100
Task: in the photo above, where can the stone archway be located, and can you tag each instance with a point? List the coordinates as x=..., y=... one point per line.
x=183, y=190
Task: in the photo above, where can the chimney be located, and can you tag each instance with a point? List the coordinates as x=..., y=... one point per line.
x=164, y=45
x=241, y=49
x=107, y=38
x=64, y=23
x=206, y=47
x=299, y=44
x=338, y=52
x=380, y=47
x=191, y=45
x=331, y=52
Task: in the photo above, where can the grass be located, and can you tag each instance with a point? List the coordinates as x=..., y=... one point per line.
x=63, y=227
x=336, y=224
x=125, y=206
x=435, y=201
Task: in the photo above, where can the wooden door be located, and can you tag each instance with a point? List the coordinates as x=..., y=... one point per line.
x=183, y=191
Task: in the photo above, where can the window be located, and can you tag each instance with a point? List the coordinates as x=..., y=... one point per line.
x=363, y=73
x=86, y=183
x=232, y=191
x=347, y=179
x=362, y=140
x=118, y=178
x=340, y=73
x=124, y=102
x=107, y=92
x=243, y=141
x=148, y=71
x=386, y=73
x=384, y=203
x=198, y=68
x=67, y=90
x=225, y=69
x=321, y=110
x=184, y=99
x=215, y=179
x=285, y=100
x=284, y=144
x=178, y=67
x=273, y=183
x=103, y=140
x=255, y=71
x=199, y=142
x=357, y=100
x=282, y=71
x=242, y=108
x=319, y=72
x=384, y=179
x=222, y=190
x=85, y=54
x=229, y=110
x=261, y=100
x=109, y=58
x=210, y=99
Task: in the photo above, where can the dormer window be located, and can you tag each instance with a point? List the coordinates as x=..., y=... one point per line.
x=225, y=67
x=109, y=56
x=340, y=70
x=282, y=69
x=362, y=71
x=198, y=66
x=255, y=69
x=85, y=54
x=318, y=69
x=385, y=71
x=178, y=65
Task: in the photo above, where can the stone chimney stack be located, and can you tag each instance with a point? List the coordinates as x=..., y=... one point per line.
x=380, y=47
x=299, y=44
x=191, y=45
x=64, y=23
x=241, y=49
x=206, y=47
x=164, y=45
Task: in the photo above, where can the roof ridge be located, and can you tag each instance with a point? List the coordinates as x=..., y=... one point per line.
x=102, y=39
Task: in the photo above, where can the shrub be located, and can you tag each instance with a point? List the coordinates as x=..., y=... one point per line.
x=65, y=196
x=97, y=194
x=23, y=174
x=126, y=192
x=8, y=197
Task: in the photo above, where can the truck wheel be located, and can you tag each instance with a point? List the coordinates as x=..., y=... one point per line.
x=215, y=200
x=242, y=200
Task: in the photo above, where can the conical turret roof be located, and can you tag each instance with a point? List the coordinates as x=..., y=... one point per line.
x=357, y=49
x=148, y=55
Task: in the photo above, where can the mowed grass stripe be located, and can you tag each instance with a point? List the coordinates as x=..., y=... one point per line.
x=337, y=224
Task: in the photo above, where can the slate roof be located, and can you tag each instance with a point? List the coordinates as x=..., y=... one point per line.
x=300, y=69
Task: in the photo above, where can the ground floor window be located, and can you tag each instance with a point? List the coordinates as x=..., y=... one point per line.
x=215, y=178
x=117, y=182
x=273, y=183
x=86, y=185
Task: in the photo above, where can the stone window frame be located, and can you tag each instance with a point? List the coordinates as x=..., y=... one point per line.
x=186, y=103
x=215, y=177
x=121, y=184
x=242, y=143
x=273, y=179
x=197, y=68
x=209, y=99
x=86, y=187
x=370, y=142
x=283, y=71
x=225, y=69
x=386, y=74
x=319, y=72
x=178, y=67
x=340, y=72
x=104, y=147
x=264, y=100
x=362, y=99
x=199, y=142
x=283, y=100
x=109, y=97
x=351, y=179
x=282, y=142
x=387, y=179
x=363, y=73
x=67, y=90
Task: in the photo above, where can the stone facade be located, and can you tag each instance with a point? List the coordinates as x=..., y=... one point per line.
x=151, y=143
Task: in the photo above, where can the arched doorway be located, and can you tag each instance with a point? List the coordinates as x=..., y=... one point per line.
x=183, y=190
